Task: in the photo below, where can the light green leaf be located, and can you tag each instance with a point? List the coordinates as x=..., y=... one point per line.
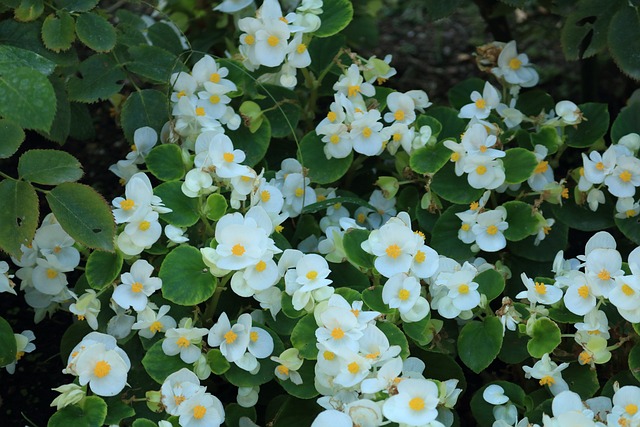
x=95, y=32
x=8, y=347
x=254, y=145
x=84, y=214
x=548, y=137
x=103, y=268
x=27, y=97
x=216, y=206
x=591, y=130
x=335, y=16
x=522, y=220
x=321, y=169
x=49, y=167
x=29, y=10
x=545, y=337
x=92, y=413
x=519, y=165
x=185, y=278
x=479, y=343
x=184, y=209
x=430, y=159
x=18, y=216
x=58, y=32
x=100, y=77
x=435, y=125
x=421, y=332
x=491, y=283
x=303, y=337
x=158, y=365
x=76, y=5
x=395, y=337
x=217, y=362
x=13, y=58
x=165, y=162
x=628, y=121
x=355, y=254
x=12, y=137
x=453, y=188
x=153, y=63
x=147, y=107
x=143, y=422
x=445, y=235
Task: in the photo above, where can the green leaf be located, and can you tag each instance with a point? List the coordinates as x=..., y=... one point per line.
x=335, y=16
x=13, y=58
x=143, y=422
x=82, y=128
x=18, y=216
x=545, y=337
x=582, y=380
x=76, y=5
x=217, y=362
x=27, y=98
x=165, y=162
x=103, y=268
x=233, y=412
x=421, y=332
x=147, y=107
x=460, y=94
x=351, y=242
x=372, y=297
x=62, y=121
x=555, y=241
x=435, y=125
x=582, y=218
x=628, y=121
x=584, y=33
x=242, y=378
x=514, y=348
x=184, y=209
x=163, y=36
x=491, y=283
x=441, y=367
x=92, y=413
x=49, y=167
x=479, y=343
x=100, y=77
x=254, y=145
x=117, y=411
x=453, y=188
x=321, y=169
x=347, y=278
x=452, y=125
x=153, y=63
x=445, y=239
x=29, y=10
x=533, y=102
x=519, y=165
x=395, y=337
x=522, y=220
x=287, y=307
x=95, y=32
x=303, y=337
x=546, y=136
x=12, y=137
x=438, y=9
x=185, y=277
x=483, y=411
x=430, y=159
x=58, y=32
x=307, y=389
x=281, y=107
x=158, y=365
x=634, y=361
x=8, y=347
x=84, y=214
x=592, y=129
x=630, y=227
x=216, y=206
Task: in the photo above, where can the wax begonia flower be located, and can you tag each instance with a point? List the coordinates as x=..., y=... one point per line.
x=332, y=417
x=289, y=362
x=6, y=285
x=484, y=172
x=24, y=345
x=597, y=166
x=104, y=370
x=549, y=373
x=626, y=207
x=182, y=84
x=137, y=285
x=626, y=405
x=579, y=297
x=144, y=139
x=386, y=377
x=178, y=387
x=70, y=394
x=353, y=369
x=539, y=292
x=394, y=246
x=365, y=133
x=232, y=340
x=463, y=291
x=201, y=410
x=241, y=242
x=149, y=322
x=568, y=112
x=339, y=330
x=185, y=341
x=494, y=394
x=415, y=404
x=87, y=307
x=514, y=68
x=119, y=325
x=478, y=142
x=401, y=291
x=207, y=70
x=602, y=266
x=489, y=228
x=352, y=85
x=401, y=108
x=375, y=346
x=57, y=246
x=625, y=177
x=481, y=105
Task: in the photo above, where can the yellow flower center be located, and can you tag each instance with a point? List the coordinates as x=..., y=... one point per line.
x=541, y=288
x=334, y=139
x=366, y=132
x=627, y=290
x=283, y=370
x=631, y=409
x=481, y=170
x=420, y=257
x=393, y=251
x=463, y=289
x=136, y=287
x=180, y=94
x=238, y=249
x=404, y=294
x=329, y=355
x=625, y=176
x=353, y=367
x=299, y=192
x=455, y=156
x=546, y=229
x=101, y=369
x=361, y=218
x=465, y=227
x=332, y=116
x=515, y=64
x=373, y=355
x=416, y=404
x=547, y=380
x=302, y=48
x=399, y=115
x=183, y=342
x=261, y=266
x=228, y=157
x=600, y=166
x=144, y=225
x=273, y=40
x=265, y=196
x=156, y=326
x=584, y=358
x=630, y=212
x=492, y=230
x=179, y=399
x=312, y=275
x=214, y=78
x=542, y=167
x=19, y=355
x=200, y=111
x=353, y=90
x=583, y=291
x=483, y=148
x=57, y=249
x=80, y=317
x=604, y=275
x=481, y=104
x=253, y=336
x=214, y=99
x=199, y=412
x=337, y=333
x=51, y=273
x=249, y=39
x=127, y=204
x=230, y=337
x=355, y=312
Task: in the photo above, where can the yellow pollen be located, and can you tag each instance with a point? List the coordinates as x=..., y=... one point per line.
x=581, y=171
x=238, y=249
x=399, y=115
x=200, y=111
x=416, y=404
x=600, y=166
x=604, y=275
x=334, y=139
x=136, y=287
x=80, y=317
x=19, y=355
x=373, y=355
x=455, y=156
x=483, y=148
x=515, y=64
x=481, y=170
x=546, y=229
x=585, y=358
x=283, y=19
x=279, y=229
x=199, y=412
x=253, y=336
x=302, y=48
x=273, y=40
x=337, y=206
x=404, y=294
x=127, y=204
x=583, y=291
x=631, y=409
x=474, y=205
x=625, y=176
x=353, y=90
x=230, y=337
x=463, y=289
x=629, y=213
x=361, y=218
x=321, y=198
x=627, y=290
x=481, y=103
x=542, y=167
x=357, y=110
x=299, y=192
x=541, y=288
x=492, y=230
x=420, y=257
x=180, y=94
x=214, y=99
x=366, y=132
x=228, y=157
x=144, y=225
x=249, y=39
x=51, y=273
x=353, y=367
x=547, y=380
x=183, y=342
x=355, y=312
x=332, y=116
x=329, y=355
x=261, y=266
x=465, y=227
x=312, y=275
x=101, y=369
x=245, y=178
x=214, y=78
x=283, y=370
x=397, y=136
x=156, y=326
x=565, y=193
x=594, y=332
x=337, y=333
x=393, y=251
x=265, y=196
x=57, y=249
x=179, y=399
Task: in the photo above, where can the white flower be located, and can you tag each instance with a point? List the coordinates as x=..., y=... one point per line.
x=6, y=285
x=488, y=229
x=233, y=341
x=625, y=177
x=178, y=387
x=352, y=85
x=542, y=174
x=627, y=208
x=394, y=246
x=297, y=53
x=144, y=139
x=225, y=158
x=149, y=322
x=365, y=133
x=484, y=172
x=201, y=410
x=481, y=105
x=494, y=394
x=70, y=394
x=184, y=341
x=136, y=286
x=289, y=362
x=568, y=112
x=463, y=291
x=24, y=345
x=597, y=166
x=401, y=108
x=514, y=68
x=87, y=307
x=579, y=298
x=104, y=369
x=241, y=242
x=538, y=292
x=415, y=404
x=401, y=291
x=549, y=373
x=271, y=43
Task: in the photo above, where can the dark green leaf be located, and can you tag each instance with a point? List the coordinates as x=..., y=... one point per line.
x=8, y=347
x=254, y=145
x=281, y=107
x=519, y=164
x=522, y=220
x=153, y=63
x=303, y=337
x=479, y=343
x=582, y=218
x=49, y=167
x=460, y=94
x=555, y=241
x=184, y=209
x=158, y=365
x=628, y=121
x=82, y=128
x=395, y=337
x=490, y=283
x=591, y=130
x=103, y=268
x=12, y=137
x=92, y=414
x=29, y=10
x=453, y=188
x=372, y=297
x=307, y=389
x=634, y=361
x=533, y=102
x=117, y=411
x=95, y=32
x=452, y=125
x=321, y=169
x=62, y=121
x=163, y=36
x=584, y=33
x=217, y=362
x=430, y=159
x=100, y=77
x=147, y=107
x=352, y=247
x=165, y=162
x=185, y=278
x=76, y=5
x=13, y=58
x=630, y=227
x=445, y=239
x=18, y=216
x=438, y=9
x=58, y=32
x=582, y=380
x=27, y=98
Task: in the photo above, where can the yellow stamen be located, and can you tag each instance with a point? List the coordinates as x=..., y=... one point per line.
x=627, y=290
x=625, y=176
x=127, y=204
x=199, y=412
x=604, y=275
x=156, y=326
x=492, y=230
x=420, y=257
x=600, y=166
x=542, y=167
x=541, y=288
x=334, y=139
x=515, y=64
x=299, y=192
x=366, y=132
x=547, y=380
x=228, y=157
x=399, y=115
x=329, y=355
x=51, y=273
x=353, y=90
x=631, y=409
x=238, y=249
x=465, y=227
x=481, y=104
x=404, y=294
x=416, y=404
x=200, y=111
x=214, y=78
x=179, y=399
x=283, y=370
x=253, y=336
x=353, y=367
x=585, y=358
x=265, y=196
x=337, y=333
x=583, y=291
x=214, y=99
x=481, y=170
x=101, y=369
x=302, y=48
x=455, y=156
x=261, y=266
x=136, y=287
x=312, y=275
x=393, y=251
x=144, y=225
x=463, y=289
x=332, y=116
x=183, y=342
x=249, y=39
x=230, y=337
x=273, y=41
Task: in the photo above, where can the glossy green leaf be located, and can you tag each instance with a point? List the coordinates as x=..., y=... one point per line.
x=153, y=63
x=434, y=124
x=445, y=235
x=49, y=167
x=453, y=188
x=8, y=348
x=460, y=94
x=13, y=58
x=628, y=121
x=18, y=216
x=27, y=98
x=547, y=249
x=84, y=214
x=165, y=162
x=522, y=220
x=630, y=227
x=422, y=331
x=634, y=361
x=349, y=279
x=92, y=413
x=58, y=31
x=491, y=283
x=545, y=337
x=335, y=16
x=143, y=422
x=216, y=206
x=591, y=130
x=217, y=362
x=582, y=218
x=185, y=278
x=430, y=159
x=158, y=365
x=534, y=102
x=103, y=268
x=514, y=348
x=233, y=412
x=519, y=165
x=395, y=337
x=99, y=78
x=479, y=343
x=452, y=125
x=12, y=137
x=372, y=297
x=254, y=145
x=162, y=35
x=321, y=169
x=546, y=136
x=287, y=307
x=117, y=411
x=582, y=380
x=351, y=242
x=483, y=410
x=584, y=33
x=303, y=337
x=95, y=32
x=147, y=107
x=307, y=389
x=184, y=209
x=76, y=5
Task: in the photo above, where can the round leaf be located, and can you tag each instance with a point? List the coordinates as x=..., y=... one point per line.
x=519, y=164
x=628, y=121
x=453, y=188
x=395, y=337
x=582, y=380
x=440, y=366
x=545, y=337
x=76, y=5
x=522, y=221
x=49, y=167
x=491, y=283
x=103, y=268
x=479, y=343
x=303, y=337
x=95, y=32
x=430, y=159
x=158, y=365
x=216, y=206
x=321, y=169
x=92, y=414
x=372, y=297
x=165, y=162
x=460, y=94
x=422, y=331
x=630, y=227
x=452, y=125
x=27, y=98
x=255, y=144
x=184, y=209
x=185, y=278
x=217, y=362
x=18, y=216
x=336, y=15
x=8, y=348
x=58, y=32
x=624, y=40
x=445, y=235
x=351, y=242
x=592, y=129
x=435, y=125
x=533, y=102
x=12, y=138
x=634, y=361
